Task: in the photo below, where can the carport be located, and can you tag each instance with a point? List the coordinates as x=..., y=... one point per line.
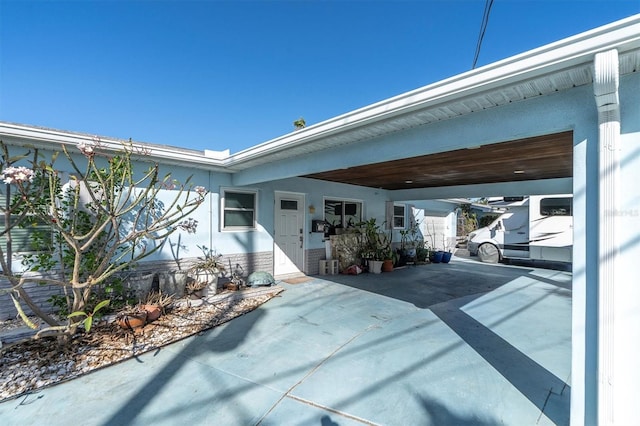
x=558, y=119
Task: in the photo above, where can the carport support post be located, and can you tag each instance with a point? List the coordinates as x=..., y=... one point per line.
x=605, y=88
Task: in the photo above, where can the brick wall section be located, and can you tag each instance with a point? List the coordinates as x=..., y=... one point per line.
x=249, y=262
x=39, y=293
x=314, y=256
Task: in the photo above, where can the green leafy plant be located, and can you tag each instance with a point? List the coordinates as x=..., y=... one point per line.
x=210, y=262
x=374, y=243
x=88, y=321
x=411, y=237
x=164, y=301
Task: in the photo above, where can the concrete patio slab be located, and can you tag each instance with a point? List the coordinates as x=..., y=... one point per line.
x=462, y=343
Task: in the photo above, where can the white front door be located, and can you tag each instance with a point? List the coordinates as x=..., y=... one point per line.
x=288, y=250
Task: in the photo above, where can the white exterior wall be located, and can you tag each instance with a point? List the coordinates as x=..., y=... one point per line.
x=626, y=285
x=440, y=231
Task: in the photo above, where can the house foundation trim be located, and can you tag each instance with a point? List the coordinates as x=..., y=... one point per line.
x=605, y=85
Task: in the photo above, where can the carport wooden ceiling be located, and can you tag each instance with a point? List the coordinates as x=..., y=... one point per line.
x=542, y=157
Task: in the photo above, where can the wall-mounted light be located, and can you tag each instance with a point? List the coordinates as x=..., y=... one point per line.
x=312, y=209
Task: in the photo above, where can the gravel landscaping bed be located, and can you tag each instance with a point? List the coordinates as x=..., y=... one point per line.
x=33, y=364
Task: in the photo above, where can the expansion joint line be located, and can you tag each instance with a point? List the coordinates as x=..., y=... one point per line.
x=288, y=394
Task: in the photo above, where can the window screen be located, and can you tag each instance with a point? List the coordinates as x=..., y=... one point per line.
x=239, y=210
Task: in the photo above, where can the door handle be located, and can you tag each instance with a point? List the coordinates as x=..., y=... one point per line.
x=301, y=238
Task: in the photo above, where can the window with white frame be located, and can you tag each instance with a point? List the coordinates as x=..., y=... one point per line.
x=238, y=209
x=339, y=214
x=32, y=235
x=399, y=214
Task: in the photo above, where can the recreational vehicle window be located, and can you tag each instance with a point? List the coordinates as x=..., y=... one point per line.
x=555, y=206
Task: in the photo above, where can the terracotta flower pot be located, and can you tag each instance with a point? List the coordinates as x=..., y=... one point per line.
x=387, y=265
x=132, y=321
x=153, y=312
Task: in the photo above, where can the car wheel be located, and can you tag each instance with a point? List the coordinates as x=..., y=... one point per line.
x=488, y=253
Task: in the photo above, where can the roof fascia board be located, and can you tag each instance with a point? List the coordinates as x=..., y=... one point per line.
x=578, y=50
x=43, y=138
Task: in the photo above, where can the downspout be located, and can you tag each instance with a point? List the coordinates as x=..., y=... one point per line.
x=214, y=216
x=605, y=87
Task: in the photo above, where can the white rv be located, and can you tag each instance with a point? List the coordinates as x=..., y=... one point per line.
x=535, y=228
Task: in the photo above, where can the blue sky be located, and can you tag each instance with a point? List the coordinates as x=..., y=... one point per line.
x=233, y=74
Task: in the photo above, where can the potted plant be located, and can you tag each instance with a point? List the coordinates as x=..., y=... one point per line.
x=197, y=289
x=447, y=251
x=422, y=252
x=390, y=259
x=205, y=270
x=387, y=253
x=410, y=239
x=373, y=244
x=436, y=256
x=156, y=304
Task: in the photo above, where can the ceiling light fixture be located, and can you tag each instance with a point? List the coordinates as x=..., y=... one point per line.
x=408, y=181
x=518, y=172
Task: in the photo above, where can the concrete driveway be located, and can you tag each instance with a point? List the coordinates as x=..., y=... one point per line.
x=442, y=344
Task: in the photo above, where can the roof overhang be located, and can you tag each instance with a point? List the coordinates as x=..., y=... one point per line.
x=542, y=157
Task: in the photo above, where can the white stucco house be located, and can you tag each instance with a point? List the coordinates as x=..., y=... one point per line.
x=563, y=118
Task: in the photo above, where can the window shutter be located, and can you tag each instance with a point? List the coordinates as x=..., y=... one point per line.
x=412, y=215
x=388, y=215
x=21, y=237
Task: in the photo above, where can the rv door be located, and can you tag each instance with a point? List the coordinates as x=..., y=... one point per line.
x=516, y=232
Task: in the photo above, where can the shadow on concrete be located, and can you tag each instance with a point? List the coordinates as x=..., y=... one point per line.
x=530, y=378
x=439, y=414
x=428, y=286
x=431, y=284
x=230, y=338
x=445, y=289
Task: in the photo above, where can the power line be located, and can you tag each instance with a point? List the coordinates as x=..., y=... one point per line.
x=483, y=28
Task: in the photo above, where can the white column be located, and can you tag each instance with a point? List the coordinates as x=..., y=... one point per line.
x=606, y=94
